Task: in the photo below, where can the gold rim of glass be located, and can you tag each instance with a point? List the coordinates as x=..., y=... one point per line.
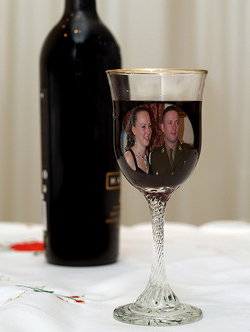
x=161, y=71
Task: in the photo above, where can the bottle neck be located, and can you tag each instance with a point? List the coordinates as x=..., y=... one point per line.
x=87, y=6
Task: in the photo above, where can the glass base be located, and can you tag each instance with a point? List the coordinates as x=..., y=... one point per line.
x=171, y=315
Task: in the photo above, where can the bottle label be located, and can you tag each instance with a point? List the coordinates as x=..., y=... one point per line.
x=45, y=155
x=112, y=197
x=114, y=215
x=112, y=180
x=44, y=215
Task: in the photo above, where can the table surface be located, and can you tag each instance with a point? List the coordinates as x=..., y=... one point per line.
x=207, y=266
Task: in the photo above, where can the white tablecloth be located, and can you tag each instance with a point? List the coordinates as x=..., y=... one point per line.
x=207, y=266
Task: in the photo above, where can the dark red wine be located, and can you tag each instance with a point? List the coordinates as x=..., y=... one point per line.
x=79, y=171
x=187, y=143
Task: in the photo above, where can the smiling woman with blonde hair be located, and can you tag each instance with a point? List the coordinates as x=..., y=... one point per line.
x=138, y=139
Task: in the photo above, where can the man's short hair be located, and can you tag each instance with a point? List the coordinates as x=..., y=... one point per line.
x=168, y=109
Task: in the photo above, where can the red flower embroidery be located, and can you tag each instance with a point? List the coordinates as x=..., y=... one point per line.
x=28, y=246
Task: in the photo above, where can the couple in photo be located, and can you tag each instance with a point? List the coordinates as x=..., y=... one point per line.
x=163, y=160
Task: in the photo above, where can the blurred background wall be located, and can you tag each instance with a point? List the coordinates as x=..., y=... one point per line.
x=200, y=34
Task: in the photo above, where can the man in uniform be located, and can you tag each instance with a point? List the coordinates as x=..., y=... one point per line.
x=172, y=154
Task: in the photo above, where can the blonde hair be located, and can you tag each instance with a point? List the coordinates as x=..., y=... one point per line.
x=132, y=122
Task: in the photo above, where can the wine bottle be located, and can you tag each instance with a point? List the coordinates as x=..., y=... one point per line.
x=80, y=176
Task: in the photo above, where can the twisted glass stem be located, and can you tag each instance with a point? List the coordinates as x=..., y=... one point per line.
x=158, y=293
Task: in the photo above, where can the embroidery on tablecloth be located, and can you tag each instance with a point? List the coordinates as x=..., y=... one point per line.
x=36, y=247
x=66, y=298
x=13, y=298
x=25, y=288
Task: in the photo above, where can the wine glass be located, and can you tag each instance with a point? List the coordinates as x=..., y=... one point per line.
x=157, y=142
